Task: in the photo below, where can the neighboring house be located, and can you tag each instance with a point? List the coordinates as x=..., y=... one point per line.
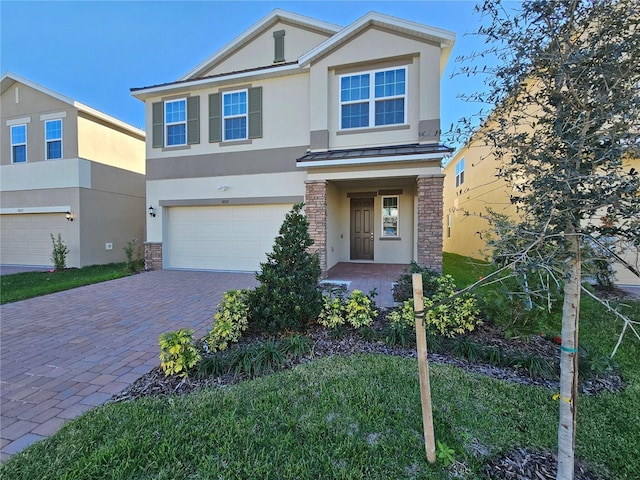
x=66, y=169
x=294, y=109
x=471, y=187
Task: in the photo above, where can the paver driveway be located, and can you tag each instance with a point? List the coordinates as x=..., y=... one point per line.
x=65, y=353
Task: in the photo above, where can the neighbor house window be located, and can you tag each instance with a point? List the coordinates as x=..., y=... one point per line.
x=175, y=120
x=18, y=143
x=53, y=139
x=234, y=114
x=373, y=98
x=460, y=173
x=389, y=216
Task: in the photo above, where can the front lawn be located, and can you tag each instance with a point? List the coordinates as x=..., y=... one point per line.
x=348, y=417
x=21, y=286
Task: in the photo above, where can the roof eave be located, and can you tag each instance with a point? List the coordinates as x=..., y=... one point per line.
x=444, y=38
x=255, y=29
x=73, y=103
x=370, y=160
x=179, y=86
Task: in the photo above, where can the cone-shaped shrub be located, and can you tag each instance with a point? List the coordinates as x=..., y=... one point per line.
x=288, y=296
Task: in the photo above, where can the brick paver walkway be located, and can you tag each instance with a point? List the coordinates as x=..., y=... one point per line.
x=65, y=353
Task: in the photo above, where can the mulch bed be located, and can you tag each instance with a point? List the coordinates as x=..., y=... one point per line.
x=517, y=464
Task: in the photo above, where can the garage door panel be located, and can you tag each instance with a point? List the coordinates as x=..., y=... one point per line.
x=230, y=237
x=25, y=239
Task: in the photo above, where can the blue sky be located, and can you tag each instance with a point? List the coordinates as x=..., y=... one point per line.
x=95, y=51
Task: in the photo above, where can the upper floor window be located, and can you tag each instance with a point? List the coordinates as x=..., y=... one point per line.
x=390, y=216
x=373, y=98
x=53, y=139
x=460, y=173
x=234, y=114
x=175, y=120
x=18, y=143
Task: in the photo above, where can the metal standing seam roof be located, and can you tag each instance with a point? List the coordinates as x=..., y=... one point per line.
x=372, y=152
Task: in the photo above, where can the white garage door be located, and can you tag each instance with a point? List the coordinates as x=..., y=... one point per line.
x=230, y=237
x=25, y=238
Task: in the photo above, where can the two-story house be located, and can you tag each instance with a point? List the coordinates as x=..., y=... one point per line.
x=68, y=169
x=346, y=119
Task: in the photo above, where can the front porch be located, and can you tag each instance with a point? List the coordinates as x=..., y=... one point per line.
x=366, y=277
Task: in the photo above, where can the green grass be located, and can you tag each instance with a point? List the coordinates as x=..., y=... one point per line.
x=21, y=286
x=345, y=418
x=465, y=270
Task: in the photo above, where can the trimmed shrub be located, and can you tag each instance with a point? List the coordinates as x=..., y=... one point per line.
x=459, y=315
x=178, y=354
x=403, y=288
x=231, y=320
x=288, y=296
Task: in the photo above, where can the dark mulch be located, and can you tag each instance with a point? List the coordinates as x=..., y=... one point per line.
x=527, y=464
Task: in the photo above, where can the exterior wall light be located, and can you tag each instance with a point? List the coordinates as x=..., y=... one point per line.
x=152, y=211
x=69, y=216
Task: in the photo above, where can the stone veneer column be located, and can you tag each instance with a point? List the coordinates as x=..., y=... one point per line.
x=153, y=255
x=316, y=211
x=430, y=206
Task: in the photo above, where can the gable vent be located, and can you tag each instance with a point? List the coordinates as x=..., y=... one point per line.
x=278, y=39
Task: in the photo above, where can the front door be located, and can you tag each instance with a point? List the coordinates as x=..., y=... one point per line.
x=362, y=229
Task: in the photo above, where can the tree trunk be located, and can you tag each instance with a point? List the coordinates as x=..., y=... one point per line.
x=569, y=359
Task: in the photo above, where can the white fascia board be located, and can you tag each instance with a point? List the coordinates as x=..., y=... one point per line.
x=254, y=30
x=71, y=102
x=445, y=38
x=23, y=210
x=203, y=82
x=369, y=160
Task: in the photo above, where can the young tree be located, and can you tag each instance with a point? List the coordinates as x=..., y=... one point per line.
x=567, y=98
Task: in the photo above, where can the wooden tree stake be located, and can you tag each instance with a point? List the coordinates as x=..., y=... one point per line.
x=423, y=368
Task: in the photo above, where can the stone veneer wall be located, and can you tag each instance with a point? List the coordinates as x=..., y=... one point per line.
x=153, y=255
x=430, y=206
x=316, y=211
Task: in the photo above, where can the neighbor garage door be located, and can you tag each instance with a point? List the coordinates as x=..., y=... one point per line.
x=25, y=238
x=229, y=237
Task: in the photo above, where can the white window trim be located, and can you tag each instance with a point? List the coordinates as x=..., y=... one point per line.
x=19, y=144
x=229, y=117
x=460, y=173
x=173, y=124
x=372, y=98
x=46, y=141
x=397, y=235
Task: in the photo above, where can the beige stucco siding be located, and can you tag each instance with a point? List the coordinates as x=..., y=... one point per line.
x=110, y=146
x=285, y=118
x=204, y=190
x=34, y=108
x=260, y=51
x=466, y=205
x=66, y=173
x=372, y=49
x=121, y=219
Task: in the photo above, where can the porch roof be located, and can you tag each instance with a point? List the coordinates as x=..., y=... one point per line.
x=410, y=152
